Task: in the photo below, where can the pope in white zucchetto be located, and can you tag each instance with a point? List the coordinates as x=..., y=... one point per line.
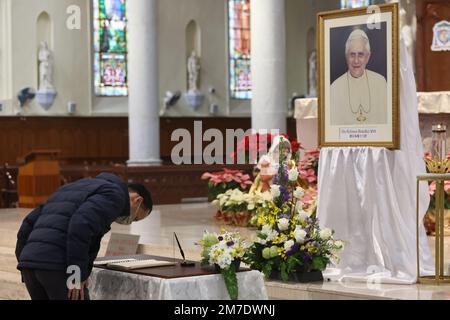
x=359, y=96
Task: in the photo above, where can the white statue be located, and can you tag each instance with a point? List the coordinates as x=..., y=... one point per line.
x=45, y=67
x=312, y=75
x=407, y=30
x=193, y=71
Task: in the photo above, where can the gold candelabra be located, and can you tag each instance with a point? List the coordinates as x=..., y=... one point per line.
x=439, y=179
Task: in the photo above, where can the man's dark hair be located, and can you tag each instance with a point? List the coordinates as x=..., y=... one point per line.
x=141, y=190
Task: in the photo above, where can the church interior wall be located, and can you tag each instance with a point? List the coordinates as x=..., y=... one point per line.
x=71, y=53
x=300, y=18
x=73, y=56
x=210, y=18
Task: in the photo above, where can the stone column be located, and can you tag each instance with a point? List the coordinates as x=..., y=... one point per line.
x=143, y=83
x=5, y=52
x=268, y=43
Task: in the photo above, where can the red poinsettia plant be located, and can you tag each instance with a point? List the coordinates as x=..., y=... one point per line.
x=252, y=146
x=221, y=181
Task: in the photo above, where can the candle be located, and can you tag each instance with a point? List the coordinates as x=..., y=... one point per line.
x=438, y=142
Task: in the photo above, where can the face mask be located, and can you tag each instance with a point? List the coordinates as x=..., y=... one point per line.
x=127, y=220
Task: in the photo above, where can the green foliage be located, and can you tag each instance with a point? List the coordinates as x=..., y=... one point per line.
x=319, y=263
x=284, y=273
x=267, y=268
x=230, y=278
x=292, y=262
x=207, y=242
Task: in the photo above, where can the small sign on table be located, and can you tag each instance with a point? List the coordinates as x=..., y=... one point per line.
x=122, y=244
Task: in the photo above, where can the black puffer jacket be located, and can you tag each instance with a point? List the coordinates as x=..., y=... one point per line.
x=67, y=230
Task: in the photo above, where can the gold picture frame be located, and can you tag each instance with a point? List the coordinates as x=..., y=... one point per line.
x=370, y=114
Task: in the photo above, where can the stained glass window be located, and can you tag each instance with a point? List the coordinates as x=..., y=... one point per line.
x=354, y=3
x=110, y=47
x=239, y=46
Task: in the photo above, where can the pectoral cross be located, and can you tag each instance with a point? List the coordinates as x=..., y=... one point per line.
x=361, y=117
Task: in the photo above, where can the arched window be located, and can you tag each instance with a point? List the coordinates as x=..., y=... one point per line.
x=354, y=3
x=110, y=47
x=239, y=49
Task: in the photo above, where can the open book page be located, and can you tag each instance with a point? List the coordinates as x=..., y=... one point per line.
x=105, y=262
x=139, y=264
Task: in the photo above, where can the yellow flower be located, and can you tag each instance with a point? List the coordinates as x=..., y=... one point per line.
x=279, y=238
x=282, y=253
x=261, y=220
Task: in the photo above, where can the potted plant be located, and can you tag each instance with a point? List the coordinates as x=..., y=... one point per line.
x=221, y=181
x=251, y=146
x=237, y=207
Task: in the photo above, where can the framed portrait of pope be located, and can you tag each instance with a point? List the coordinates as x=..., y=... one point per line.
x=358, y=77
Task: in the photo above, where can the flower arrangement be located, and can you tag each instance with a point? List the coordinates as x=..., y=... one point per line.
x=291, y=242
x=220, y=182
x=224, y=251
x=237, y=207
x=290, y=238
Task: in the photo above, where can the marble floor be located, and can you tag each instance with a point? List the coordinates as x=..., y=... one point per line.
x=189, y=221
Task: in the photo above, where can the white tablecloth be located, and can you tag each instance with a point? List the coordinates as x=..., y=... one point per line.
x=116, y=285
x=434, y=102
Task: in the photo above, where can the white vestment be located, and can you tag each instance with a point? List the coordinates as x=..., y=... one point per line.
x=352, y=97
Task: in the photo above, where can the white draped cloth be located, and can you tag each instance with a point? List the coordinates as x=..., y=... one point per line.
x=368, y=196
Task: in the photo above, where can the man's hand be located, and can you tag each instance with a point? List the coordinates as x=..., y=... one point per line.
x=78, y=294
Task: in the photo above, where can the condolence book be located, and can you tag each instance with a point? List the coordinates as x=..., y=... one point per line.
x=175, y=270
x=131, y=264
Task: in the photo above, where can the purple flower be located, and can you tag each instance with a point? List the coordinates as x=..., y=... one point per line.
x=230, y=243
x=285, y=195
x=284, y=215
x=275, y=180
x=306, y=258
x=293, y=249
x=220, y=238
